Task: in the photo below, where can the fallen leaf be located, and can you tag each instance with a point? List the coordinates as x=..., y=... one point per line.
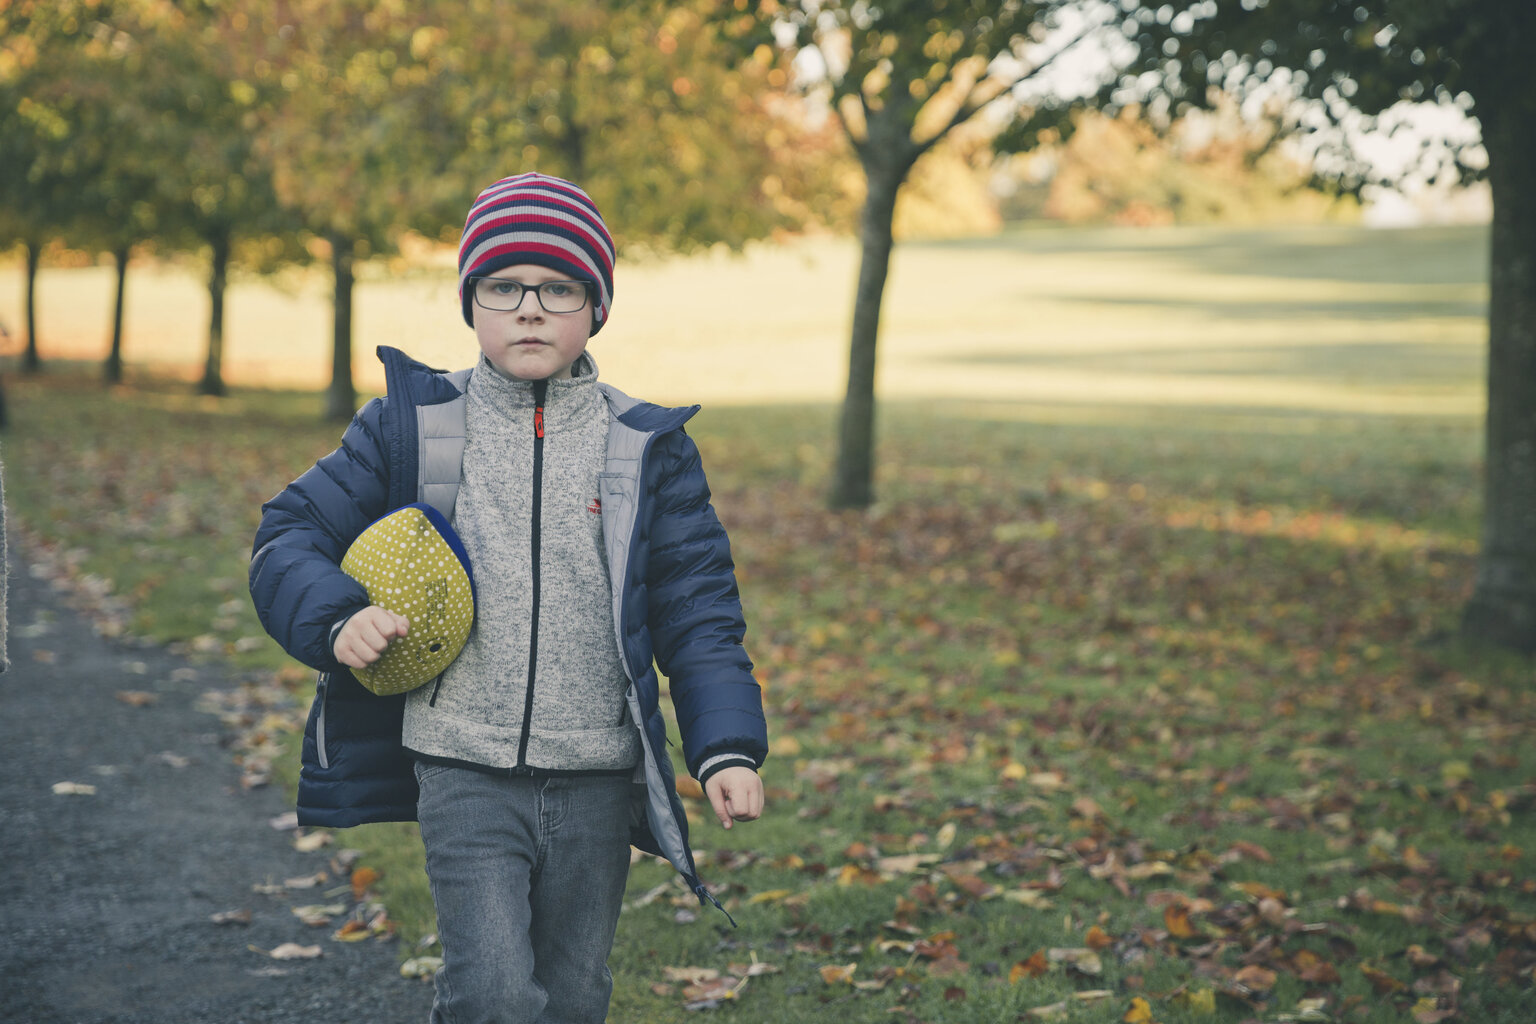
x=906, y=864
x=834, y=975
x=1176, y=920
x=231, y=917
x=753, y=970
x=421, y=967
x=73, y=789
x=136, y=698
x=1081, y=960
x=1429, y=1011
x=713, y=990
x=690, y=975
x=1061, y=1009
x=1255, y=978
x=1097, y=939
x=318, y=915
x=353, y=931
x=1200, y=1000
x=954, y=994
x=1032, y=898
x=1310, y=967
x=309, y=842
x=1035, y=966
x=291, y=951
x=1421, y=958
x=1382, y=982
x=1139, y=1013
x=362, y=878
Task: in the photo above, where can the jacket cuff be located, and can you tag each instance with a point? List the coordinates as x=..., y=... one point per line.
x=330, y=643
x=719, y=761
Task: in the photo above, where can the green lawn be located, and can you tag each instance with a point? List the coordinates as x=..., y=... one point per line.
x=1140, y=682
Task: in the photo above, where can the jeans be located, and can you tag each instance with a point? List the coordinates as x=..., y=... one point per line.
x=528, y=877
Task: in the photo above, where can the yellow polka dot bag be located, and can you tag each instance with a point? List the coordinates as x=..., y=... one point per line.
x=412, y=563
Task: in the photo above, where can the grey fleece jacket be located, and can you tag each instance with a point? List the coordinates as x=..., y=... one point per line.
x=538, y=686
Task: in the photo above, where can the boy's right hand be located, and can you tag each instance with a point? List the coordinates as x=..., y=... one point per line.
x=363, y=639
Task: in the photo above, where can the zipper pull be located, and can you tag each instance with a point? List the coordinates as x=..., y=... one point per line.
x=540, y=390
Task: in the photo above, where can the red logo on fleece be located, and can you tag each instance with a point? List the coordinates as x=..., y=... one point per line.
x=595, y=506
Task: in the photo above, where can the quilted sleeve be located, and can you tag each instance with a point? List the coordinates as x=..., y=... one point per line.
x=696, y=619
x=296, y=582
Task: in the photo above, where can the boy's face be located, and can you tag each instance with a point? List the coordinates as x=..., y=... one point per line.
x=530, y=343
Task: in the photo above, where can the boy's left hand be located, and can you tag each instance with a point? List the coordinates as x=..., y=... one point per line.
x=736, y=794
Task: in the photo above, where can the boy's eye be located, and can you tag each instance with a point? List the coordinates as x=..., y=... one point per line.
x=557, y=289
x=505, y=287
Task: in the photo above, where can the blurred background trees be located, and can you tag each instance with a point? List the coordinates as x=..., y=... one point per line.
x=257, y=134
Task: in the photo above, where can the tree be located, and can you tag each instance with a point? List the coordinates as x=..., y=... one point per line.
x=218, y=191
x=43, y=174
x=900, y=76
x=1353, y=61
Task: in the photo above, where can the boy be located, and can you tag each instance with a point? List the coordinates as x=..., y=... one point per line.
x=539, y=755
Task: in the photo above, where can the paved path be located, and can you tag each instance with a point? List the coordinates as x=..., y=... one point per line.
x=106, y=900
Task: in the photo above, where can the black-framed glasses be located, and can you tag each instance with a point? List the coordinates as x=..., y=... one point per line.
x=503, y=296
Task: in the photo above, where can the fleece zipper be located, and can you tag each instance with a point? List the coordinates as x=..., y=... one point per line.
x=540, y=391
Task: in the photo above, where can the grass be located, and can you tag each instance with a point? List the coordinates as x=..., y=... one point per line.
x=1148, y=650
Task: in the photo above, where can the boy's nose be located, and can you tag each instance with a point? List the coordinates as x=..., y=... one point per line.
x=530, y=304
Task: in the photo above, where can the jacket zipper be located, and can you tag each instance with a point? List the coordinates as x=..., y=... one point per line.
x=540, y=390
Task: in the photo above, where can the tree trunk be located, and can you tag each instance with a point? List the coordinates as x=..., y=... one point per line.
x=1503, y=605
x=32, y=362
x=218, y=277
x=112, y=369
x=853, y=479
x=340, y=401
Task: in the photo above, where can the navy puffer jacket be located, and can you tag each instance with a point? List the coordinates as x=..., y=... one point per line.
x=669, y=559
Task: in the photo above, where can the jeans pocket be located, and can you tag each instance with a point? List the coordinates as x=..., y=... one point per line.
x=426, y=769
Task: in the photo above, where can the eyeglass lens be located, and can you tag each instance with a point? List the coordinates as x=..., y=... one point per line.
x=555, y=296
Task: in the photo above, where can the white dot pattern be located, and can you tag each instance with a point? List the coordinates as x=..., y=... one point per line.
x=408, y=568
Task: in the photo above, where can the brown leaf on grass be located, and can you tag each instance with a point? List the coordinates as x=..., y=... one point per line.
x=691, y=975
x=1176, y=920
x=714, y=989
x=1097, y=939
x=1311, y=968
x=1252, y=851
x=1420, y=958
x=954, y=994
x=1381, y=982
x=948, y=967
x=1255, y=978
x=1035, y=966
x=835, y=975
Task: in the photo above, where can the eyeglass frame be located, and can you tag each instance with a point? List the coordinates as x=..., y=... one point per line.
x=538, y=293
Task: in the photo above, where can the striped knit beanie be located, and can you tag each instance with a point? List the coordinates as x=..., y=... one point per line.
x=549, y=222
